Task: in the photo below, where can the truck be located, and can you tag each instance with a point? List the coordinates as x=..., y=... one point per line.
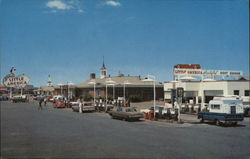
x=223, y=110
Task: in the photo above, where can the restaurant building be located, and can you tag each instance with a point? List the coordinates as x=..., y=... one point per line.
x=119, y=86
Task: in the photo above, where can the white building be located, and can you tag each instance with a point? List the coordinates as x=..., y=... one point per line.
x=203, y=91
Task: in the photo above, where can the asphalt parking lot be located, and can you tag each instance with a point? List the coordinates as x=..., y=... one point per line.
x=27, y=132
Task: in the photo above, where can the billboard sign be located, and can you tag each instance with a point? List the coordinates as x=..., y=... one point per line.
x=16, y=81
x=200, y=72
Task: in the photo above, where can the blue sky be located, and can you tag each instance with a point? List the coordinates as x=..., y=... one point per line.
x=67, y=38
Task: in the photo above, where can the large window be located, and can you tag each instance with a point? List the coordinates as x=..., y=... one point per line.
x=215, y=106
x=247, y=93
x=237, y=92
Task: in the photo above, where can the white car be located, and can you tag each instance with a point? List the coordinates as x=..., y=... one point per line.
x=144, y=111
x=56, y=98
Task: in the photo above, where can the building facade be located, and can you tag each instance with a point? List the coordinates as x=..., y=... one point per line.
x=204, y=91
x=121, y=86
x=118, y=86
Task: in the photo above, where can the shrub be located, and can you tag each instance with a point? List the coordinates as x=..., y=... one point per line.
x=135, y=98
x=87, y=98
x=110, y=97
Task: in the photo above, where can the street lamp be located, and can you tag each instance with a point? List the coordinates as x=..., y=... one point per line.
x=69, y=84
x=21, y=91
x=175, y=86
x=151, y=78
x=124, y=89
x=60, y=85
x=108, y=82
x=94, y=83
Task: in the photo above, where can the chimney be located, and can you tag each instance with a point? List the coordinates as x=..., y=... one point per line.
x=92, y=76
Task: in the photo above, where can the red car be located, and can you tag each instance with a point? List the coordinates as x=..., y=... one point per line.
x=59, y=104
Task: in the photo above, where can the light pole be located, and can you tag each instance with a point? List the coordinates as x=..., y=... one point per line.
x=124, y=90
x=108, y=82
x=21, y=91
x=69, y=84
x=60, y=85
x=152, y=79
x=176, y=84
x=10, y=92
x=94, y=83
x=113, y=92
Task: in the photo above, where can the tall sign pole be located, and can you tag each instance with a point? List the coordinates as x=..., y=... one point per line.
x=10, y=92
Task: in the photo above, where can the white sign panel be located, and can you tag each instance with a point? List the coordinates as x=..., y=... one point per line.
x=199, y=72
x=19, y=81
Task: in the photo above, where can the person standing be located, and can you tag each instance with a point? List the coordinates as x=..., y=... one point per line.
x=65, y=101
x=80, y=106
x=40, y=104
x=45, y=102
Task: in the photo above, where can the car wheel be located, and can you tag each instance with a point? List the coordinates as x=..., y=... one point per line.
x=217, y=122
x=234, y=123
x=201, y=120
x=248, y=112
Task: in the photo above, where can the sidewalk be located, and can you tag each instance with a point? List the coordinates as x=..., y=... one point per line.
x=189, y=118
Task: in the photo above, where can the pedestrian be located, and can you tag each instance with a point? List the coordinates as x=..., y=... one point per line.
x=65, y=101
x=40, y=104
x=80, y=106
x=45, y=101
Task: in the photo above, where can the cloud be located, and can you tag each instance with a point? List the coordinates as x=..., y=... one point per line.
x=58, y=4
x=80, y=11
x=113, y=3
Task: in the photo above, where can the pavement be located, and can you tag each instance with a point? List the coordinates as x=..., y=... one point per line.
x=27, y=132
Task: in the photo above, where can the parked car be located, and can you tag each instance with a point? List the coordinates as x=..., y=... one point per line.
x=158, y=111
x=170, y=113
x=126, y=113
x=74, y=106
x=54, y=98
x=59, y=104
x=246, y=105
x=20, y=98
x=101, y=106
x=246, y=110
x=3, y=98
x=50, y=99
x=86, y=107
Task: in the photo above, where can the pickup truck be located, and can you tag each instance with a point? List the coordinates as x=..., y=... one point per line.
x=227, y=110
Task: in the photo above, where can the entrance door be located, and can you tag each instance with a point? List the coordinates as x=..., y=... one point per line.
x=233, y=109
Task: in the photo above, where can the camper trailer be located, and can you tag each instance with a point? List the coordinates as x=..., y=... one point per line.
x=228, y=110
x=246, y=105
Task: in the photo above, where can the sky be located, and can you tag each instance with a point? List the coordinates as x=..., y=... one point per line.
x=67, y=39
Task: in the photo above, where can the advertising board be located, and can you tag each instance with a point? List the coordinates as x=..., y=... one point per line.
x=16, y=81
x=200, y=72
